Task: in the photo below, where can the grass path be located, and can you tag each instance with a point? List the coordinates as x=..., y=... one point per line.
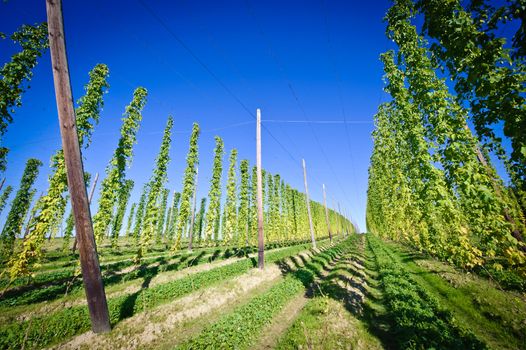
x=170, y=324
x=63, y=324
x=496, y=316
x=331, y=317
x=167, y=325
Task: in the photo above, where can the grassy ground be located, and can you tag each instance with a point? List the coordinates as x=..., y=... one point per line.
x=495, y=315
x=356, y=293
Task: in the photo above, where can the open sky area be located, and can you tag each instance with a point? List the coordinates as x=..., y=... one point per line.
x=308, y=65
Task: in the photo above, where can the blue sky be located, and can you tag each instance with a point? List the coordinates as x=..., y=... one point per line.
x=296, y=60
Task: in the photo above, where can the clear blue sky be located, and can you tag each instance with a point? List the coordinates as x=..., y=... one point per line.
x=296, y=60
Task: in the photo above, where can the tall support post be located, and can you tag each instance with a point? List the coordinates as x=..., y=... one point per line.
x=261, y=238
x=91, y=192
x=192, y=217
x=92, y=189
x=326, y=213
x=89, y=261
x=311, y=226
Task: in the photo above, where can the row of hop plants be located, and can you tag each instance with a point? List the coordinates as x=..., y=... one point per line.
x=431, y=182
x=157, y=217
x=234, y=223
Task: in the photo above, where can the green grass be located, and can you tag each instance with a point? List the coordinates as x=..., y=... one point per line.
x=324, y=323
x=331, y=318
x=51, y=328
x=416, y=319
x=496, y=316
x=240, y=328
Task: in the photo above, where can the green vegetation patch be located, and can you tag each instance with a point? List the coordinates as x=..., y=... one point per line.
x=48, y=329
x=416, y=319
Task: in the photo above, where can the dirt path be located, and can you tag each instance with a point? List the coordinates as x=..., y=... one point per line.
x=151, y=327
x=133, y=286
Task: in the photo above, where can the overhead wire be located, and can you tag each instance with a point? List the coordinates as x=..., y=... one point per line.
x=337, y=75
x=237, y=99
x=212, y=74
x=293, y=93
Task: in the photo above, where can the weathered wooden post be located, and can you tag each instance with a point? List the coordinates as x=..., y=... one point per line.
x=89, y=262
x=311, y=226
x=261, y=242
x=91, y=192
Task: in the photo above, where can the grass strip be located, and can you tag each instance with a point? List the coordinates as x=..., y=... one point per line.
x=48, y=329
x=416, y=319
x=239, y=329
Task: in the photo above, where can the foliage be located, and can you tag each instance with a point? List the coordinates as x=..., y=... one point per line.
x=157, y=182
x=129, y=222
x=230, y=217
x=244, y=204
x=124, y=196
x=51, y=207
x=253, y=209
x=447, y=198
x=139, y=216
x=199, y=221
x=162, y=214
x=4, y=197
x=70, y=221
x=122, y=157
x=174, y=214
x=33, y=40
x=274, y=209
x=486, y=76
x=68, y=231
x=192, y=160
x=214, y=194
x=17, y=213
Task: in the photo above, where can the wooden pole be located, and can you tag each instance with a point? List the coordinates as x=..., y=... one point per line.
x=89, y=261
x=326, y=213
x=261, y=242
x=91, y=192
x=31, y=214
x=192, y=218
x=92, y=189
x=311, y=226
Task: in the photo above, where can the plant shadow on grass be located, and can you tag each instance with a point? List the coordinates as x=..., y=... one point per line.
x=51, y=291
x=128, y=306
x=52, y=287
x=337, y=278
x=412, y=318
x=214, y=255
x=228, y=253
